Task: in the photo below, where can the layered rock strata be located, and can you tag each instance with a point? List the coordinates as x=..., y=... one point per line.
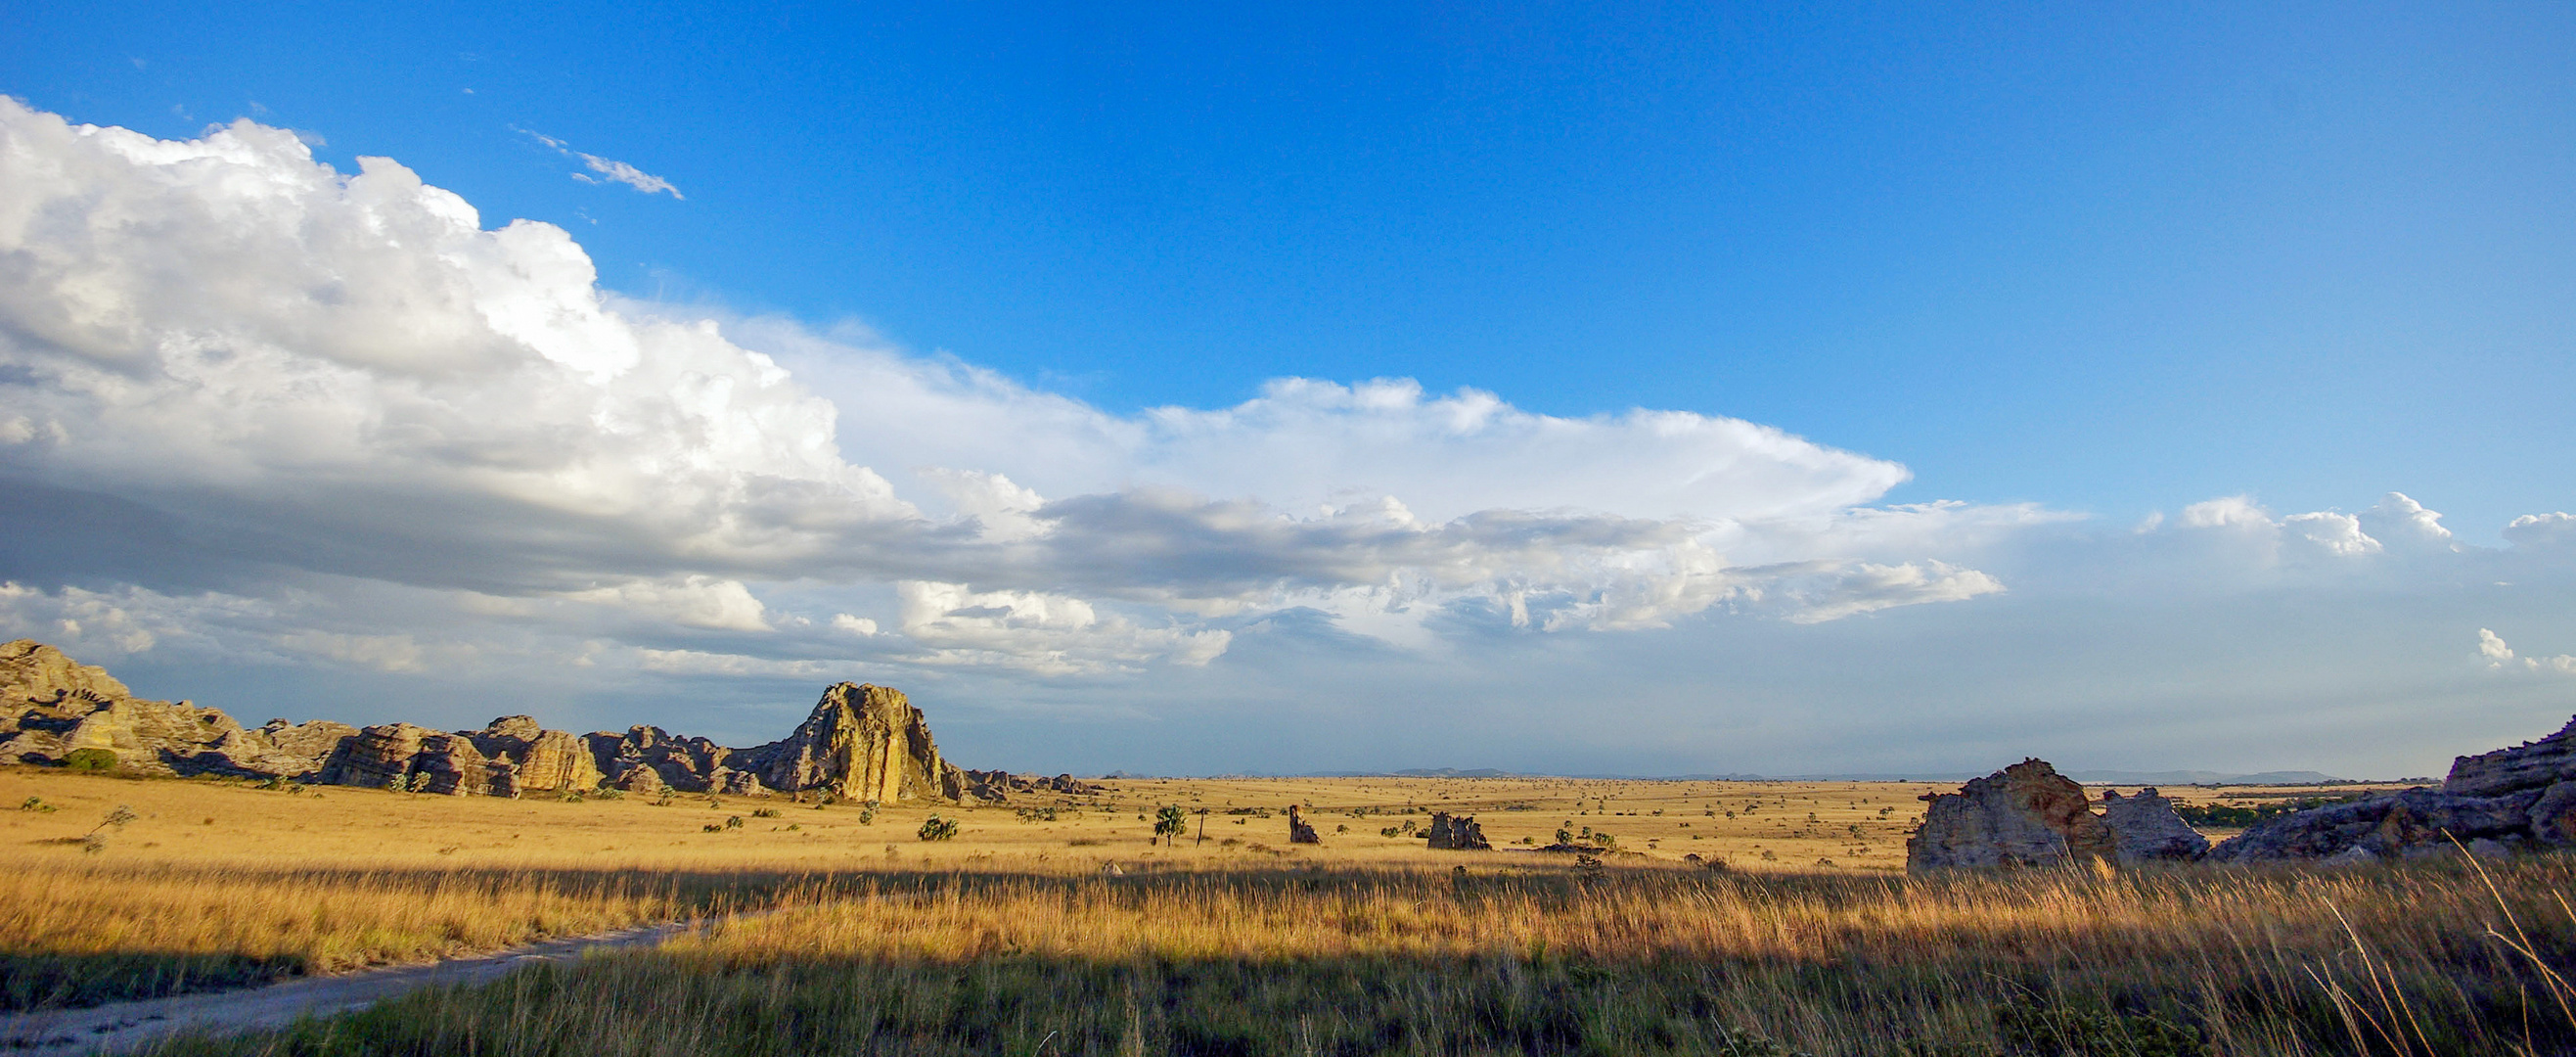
x=860, y=743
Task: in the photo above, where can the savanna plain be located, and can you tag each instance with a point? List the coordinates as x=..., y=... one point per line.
x=1717, y=918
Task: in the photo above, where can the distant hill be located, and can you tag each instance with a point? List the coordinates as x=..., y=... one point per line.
x=2205, y=778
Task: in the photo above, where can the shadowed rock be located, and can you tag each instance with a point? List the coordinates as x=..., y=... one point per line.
x=1301, y=833
x=1459, y=832
x=2510, y=799
x=2146, y=828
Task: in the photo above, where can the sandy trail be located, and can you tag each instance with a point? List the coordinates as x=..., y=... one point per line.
x=123, y=1027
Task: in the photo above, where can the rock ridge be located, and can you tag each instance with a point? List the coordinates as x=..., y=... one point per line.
x=861, y=742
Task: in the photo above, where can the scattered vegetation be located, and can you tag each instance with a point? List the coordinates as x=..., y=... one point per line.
x=90, y=760
x=937, y=828
x=2241, y=816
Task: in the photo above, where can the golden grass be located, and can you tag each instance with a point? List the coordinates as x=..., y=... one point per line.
x=1011, y=935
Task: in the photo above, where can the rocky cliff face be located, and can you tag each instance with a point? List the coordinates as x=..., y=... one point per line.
x=860, y=743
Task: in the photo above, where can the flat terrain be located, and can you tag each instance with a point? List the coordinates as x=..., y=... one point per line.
x=1800, y=826
x=1056, y=925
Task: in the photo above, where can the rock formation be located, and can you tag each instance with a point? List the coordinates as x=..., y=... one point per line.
x=52, y=706
x=864, y=743
x=1458, y=832
x=1298, y=831
x=999, y=785
x=861, y=743
x=2146, y=828
x=540, y=760
x=2510, y=799
x=2024, y=815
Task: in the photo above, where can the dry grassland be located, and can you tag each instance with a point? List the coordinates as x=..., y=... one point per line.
x=1013, y=939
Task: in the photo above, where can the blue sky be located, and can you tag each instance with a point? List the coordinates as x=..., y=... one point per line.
x=2072, y=267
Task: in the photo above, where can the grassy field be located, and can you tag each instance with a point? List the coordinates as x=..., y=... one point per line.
x=1031, y=935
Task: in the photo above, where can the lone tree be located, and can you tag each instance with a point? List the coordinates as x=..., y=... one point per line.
x=1170, y=822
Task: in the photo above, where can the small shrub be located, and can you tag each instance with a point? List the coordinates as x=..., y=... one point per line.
x=38, y=804
x=764, y=812
x=711, y=828
x=733, y=822
x=1035, y=814
x=868, y=815
x=568, y=795
x=937, y=828
x=609, y=792
x=90, y=760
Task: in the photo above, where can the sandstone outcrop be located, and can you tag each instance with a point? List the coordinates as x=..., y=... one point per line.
x=2024, y=815
x=421, y=759
x=2146, y=828
x=1298, y=831
x=860, y=742
x=52, y=706
x=1456, y=832
x=2510, y=799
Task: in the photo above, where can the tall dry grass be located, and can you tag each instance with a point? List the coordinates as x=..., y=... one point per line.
x=2427, y=959
x=83, y=932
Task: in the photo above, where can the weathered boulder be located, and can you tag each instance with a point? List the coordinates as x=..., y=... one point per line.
x=541, y=759
x=2553, y=816
x=2024, y=815
x=1456, y=832
x=2530, y=765
x=1298, y=831
x=2146, y=828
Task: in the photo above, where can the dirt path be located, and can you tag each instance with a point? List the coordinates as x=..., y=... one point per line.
x=126, y=1026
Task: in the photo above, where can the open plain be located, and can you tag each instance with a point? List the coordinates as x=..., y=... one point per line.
x=1051, y=924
